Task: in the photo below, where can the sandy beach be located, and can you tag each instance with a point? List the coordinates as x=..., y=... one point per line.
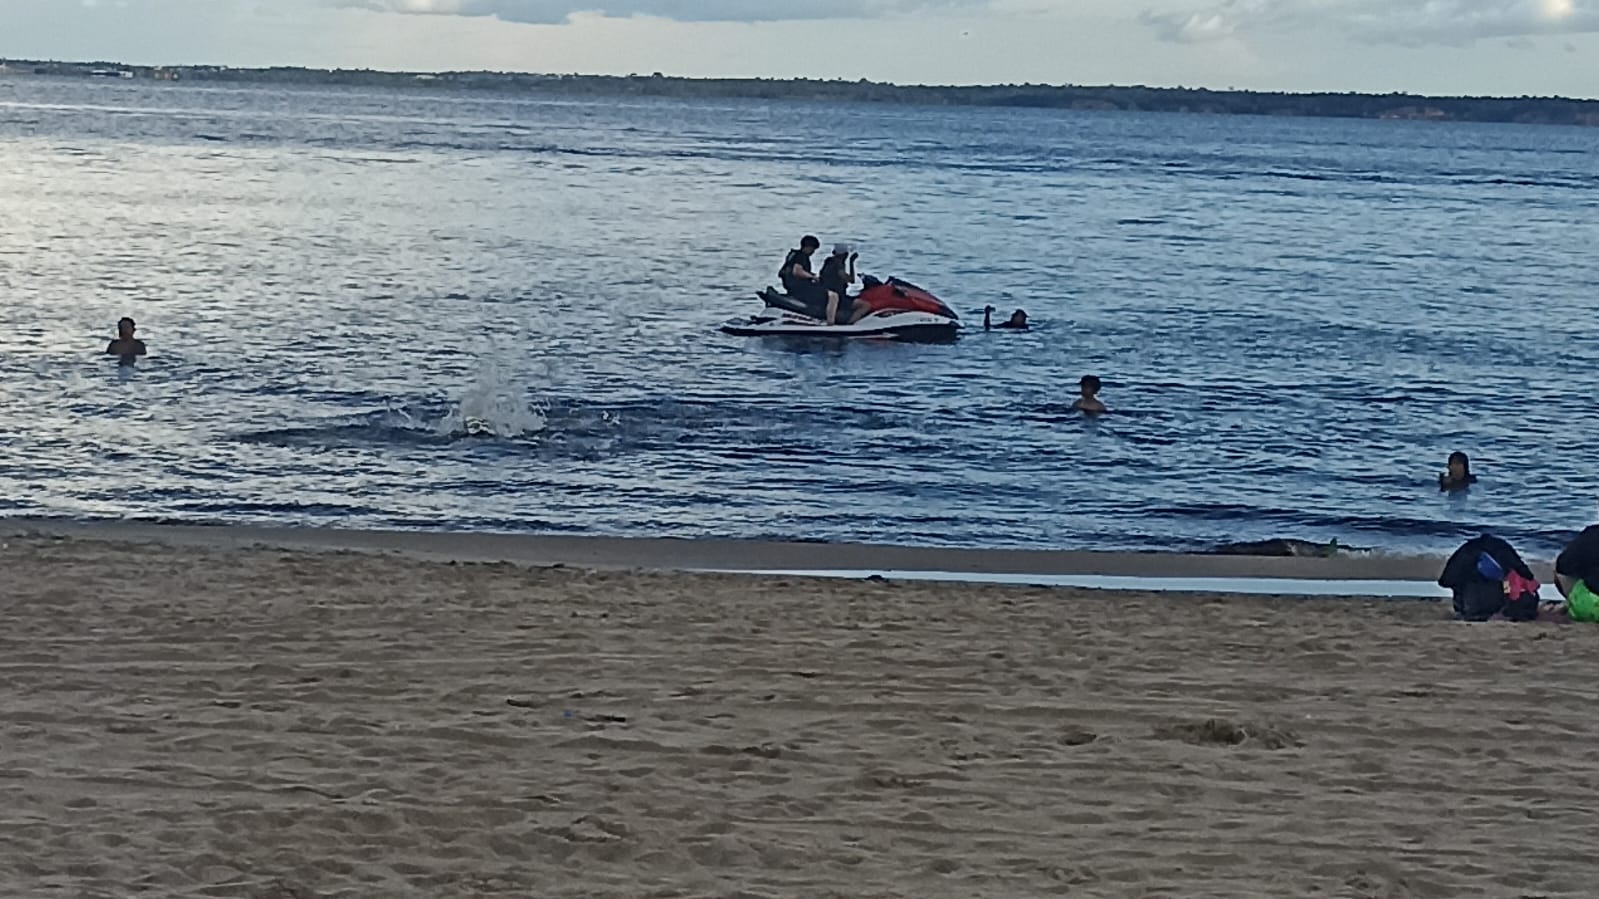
x=202, y=716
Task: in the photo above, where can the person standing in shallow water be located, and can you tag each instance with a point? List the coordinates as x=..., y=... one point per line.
x=126, y=347
x=1458, y=475
x=1088, y=403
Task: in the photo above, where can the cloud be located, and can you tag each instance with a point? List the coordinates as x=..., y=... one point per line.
x=1197, y=27
x=1410, y=22
x=552, y=12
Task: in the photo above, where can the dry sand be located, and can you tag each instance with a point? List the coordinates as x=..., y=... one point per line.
x=231, y=721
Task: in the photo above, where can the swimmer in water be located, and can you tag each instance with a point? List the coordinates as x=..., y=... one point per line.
x=1016, y=322
x=1089, y=403
x=1458, y=476
x=126, y=347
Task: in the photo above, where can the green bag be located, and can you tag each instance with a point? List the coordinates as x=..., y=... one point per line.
x=1582, y=604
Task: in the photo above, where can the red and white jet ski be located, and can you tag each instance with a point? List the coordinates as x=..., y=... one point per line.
x=899, y=311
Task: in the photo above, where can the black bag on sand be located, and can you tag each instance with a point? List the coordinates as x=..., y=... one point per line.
x=1479, y=575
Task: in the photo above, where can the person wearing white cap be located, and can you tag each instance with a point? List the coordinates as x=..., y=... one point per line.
x=838, y=273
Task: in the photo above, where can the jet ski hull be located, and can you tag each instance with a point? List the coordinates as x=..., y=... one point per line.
x=903, y=326
x=900, y=311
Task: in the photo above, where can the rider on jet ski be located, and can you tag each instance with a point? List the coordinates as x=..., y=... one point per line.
x=800, y=281
x=838, y=273
x=822, y=293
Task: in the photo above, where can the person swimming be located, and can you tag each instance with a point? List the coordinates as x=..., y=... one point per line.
x=126, y=347
x=1016, y=322
x=1458, y=475
x=1088, y=403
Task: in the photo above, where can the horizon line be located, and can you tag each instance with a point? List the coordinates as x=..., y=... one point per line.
x=802, y=79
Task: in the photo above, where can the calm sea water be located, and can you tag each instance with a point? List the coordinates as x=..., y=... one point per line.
x=404, y=310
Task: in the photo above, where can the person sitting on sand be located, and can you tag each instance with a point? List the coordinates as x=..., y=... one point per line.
x=1088, y=403
x=1016, y=322
x=126, y=347
x=1458, y=475
x=1577, y=576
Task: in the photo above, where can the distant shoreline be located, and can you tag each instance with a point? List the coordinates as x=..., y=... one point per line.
x=1109, y=98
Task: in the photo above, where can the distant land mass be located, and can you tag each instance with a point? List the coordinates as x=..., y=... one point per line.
x=1513, y=110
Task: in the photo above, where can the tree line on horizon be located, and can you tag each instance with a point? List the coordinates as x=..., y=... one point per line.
x=1135, y=98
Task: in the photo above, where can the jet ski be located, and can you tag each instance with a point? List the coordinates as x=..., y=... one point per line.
x=899, y=311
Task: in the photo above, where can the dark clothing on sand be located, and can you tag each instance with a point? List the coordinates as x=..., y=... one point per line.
x=1479, y=597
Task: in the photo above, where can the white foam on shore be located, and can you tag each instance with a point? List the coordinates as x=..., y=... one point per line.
x=1237, y=586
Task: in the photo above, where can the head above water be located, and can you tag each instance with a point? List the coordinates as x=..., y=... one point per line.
x=809, y=244
x=1018, y=319
x=125, y=328
x=1090, y=385
x=1459, y=466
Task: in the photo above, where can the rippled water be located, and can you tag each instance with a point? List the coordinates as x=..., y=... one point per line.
x=392, y=310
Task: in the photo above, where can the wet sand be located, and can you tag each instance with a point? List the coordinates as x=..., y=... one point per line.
x=198, y=716
x=748, y=555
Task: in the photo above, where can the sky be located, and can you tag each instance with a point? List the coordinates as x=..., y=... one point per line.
x=1494, y=47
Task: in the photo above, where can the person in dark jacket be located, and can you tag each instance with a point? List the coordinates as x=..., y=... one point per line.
x=1488, y=577
x=797, y=274
x=1577, y=575
x=800, y=280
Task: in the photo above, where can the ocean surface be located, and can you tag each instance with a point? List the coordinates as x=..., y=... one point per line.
x=425, y=311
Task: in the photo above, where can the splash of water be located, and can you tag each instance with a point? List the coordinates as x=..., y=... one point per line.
x=494, y=405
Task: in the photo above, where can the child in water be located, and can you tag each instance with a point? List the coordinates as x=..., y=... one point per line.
x=1458, y=475
x=1089, y=403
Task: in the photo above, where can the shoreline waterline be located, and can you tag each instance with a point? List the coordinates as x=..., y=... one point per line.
x=1358, y=575
x=1303, y=588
